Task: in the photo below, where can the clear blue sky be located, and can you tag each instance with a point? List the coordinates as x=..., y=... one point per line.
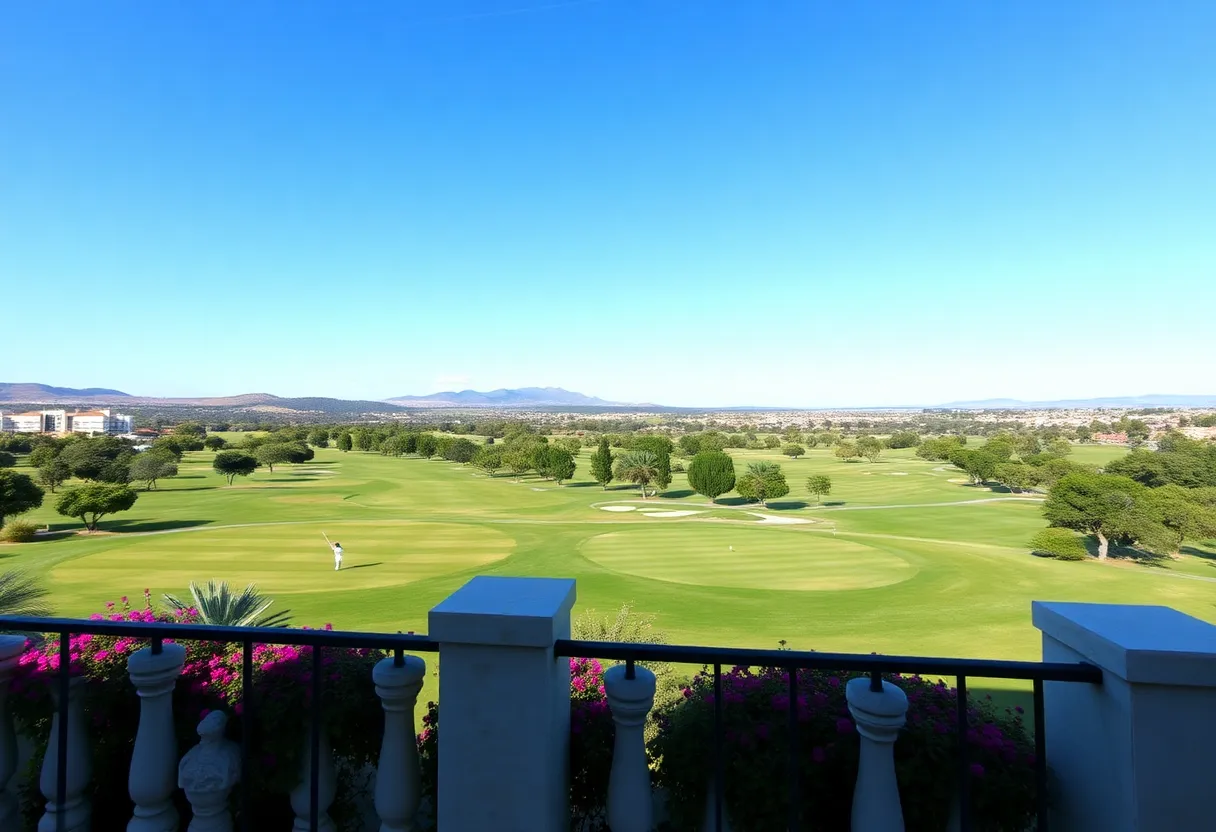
x=799, y=202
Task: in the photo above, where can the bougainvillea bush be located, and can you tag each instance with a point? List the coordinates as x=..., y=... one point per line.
x=211, y=679
x=756, y=721
x=591, y=737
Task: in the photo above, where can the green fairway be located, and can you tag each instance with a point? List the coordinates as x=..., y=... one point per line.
x=900, y=558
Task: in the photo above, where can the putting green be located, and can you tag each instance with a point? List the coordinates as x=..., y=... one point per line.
x=293, y=558
x=768, y=559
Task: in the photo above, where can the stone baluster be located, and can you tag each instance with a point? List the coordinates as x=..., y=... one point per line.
x=207, y=774
x=326, y=788
x=711, y=807
x=630, y=799
x=879, y=715
x=11, y=648
x=398, y=780
x=154, y=671
x=75, y=812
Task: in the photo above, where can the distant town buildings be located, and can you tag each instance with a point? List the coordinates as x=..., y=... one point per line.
x=1111, y=438
x=61, y=421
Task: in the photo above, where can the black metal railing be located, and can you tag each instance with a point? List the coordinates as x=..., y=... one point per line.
x=156, y=634
x=874, y=666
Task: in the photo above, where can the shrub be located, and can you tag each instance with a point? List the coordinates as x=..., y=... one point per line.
x=756, y=725
x=18, y=531
x=1062, y=544
x=211, y=679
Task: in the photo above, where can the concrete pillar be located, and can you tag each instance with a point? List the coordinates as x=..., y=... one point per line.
x=1134, y=753
x=630, y=799
x=505, y=705
x=880, y=716
x=154, y=761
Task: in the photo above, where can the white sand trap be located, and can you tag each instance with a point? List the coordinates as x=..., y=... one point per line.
x=618, y=508
x=958, y=480
x=315, y=471
x=669, y=513
x=897, y=474
x=773, y=520
x=540, y=489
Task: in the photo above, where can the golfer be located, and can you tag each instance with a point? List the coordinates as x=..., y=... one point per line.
x=337, y=555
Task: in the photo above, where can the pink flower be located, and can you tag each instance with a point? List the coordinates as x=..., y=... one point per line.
x=101, y=655
x=123, y=599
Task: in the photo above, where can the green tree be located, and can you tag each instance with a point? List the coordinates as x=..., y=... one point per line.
x=1059, y=447
x=712, y=474
x=190, y=429
x=362, y=439
x=763, y=481
x=661, y=447
x=276, y=453
x=979, y=465
x=793, y=451
x=791, y=435
x=319, y=438
x=1084, y=433
x=1182, y=513
x=42, y=454
x=54, y=473
x=7, y=460
x=559, y=463
x=939, y=448
x=427, y=445
x=1001, y=447
x=1103, y=505
x=233, y=464
x=488, y=458
x=640, y=467
x=87, y=458
x=1016, y=476
x=572, y=444
x=772, y=441
x=215, y=443
x=149, y=466
x=167, y=445
x=90, y=503
x=846, y=450
x=393, y=445
x=601, y=463
x=820, y=485
x=21, y=595
x=218, y=606
x=518, y=461
x=903, y=439
x=18, y=494
x=344, y=442
x=689, y=444
x=869, y=447
x=461, y=450
x=409, y=443
x=1027, y=445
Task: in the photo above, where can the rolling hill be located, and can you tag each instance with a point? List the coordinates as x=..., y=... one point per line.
x=520, y=397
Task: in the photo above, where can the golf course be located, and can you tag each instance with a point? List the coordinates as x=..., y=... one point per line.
x=903, y=557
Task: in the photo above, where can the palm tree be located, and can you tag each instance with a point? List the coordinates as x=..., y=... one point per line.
x=762, y=481
x=22, y=595
x=218, y=605
x=638, y=467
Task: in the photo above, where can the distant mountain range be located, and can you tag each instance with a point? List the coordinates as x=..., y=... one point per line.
x=1114, y=401
x=31, y=393
x=520, y=397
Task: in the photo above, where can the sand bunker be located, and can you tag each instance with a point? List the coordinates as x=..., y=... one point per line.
x=774, y=520
x=897, y=474
x=618, y=508
x=668, y=513
x=540, y=489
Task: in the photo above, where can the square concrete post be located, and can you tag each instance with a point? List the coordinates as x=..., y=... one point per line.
x=504, y=739
x=1136, y=752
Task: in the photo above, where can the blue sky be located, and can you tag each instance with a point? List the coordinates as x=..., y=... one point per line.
x=694, y=202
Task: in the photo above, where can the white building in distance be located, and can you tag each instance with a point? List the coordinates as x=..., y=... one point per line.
x=61, y=421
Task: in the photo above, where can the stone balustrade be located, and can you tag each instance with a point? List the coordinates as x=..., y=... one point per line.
x=504, y=749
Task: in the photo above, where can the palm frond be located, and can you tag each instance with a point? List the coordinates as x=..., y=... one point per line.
x=22, y=595
x=218, y=605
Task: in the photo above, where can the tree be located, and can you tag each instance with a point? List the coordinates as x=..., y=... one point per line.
x=1099, y=504
x=54, y=473
x=903, y=439
x=1059, y=447
x=87, y=458
x=771, y=442
x=298, y=452
x=276, y=453
x=820, y=485
x=191, y=430
x=215, y=443
x=393, y=446
x=763, y=481
x=218, y=606
x=344, y=442
x=90, y=503
x=869, y=447
x=18, y=494
x=150, y=466
x=793, y=451
x=1027, y=445
x=319, y=438
x=846, y=450
x=1016, y=476
x=1001, y=447
x=42, y=454
x=518, y=461
x=979, y=465
x=1084, y=433
x=939, y=448
x=233, y=464
x=488, y=458
x=640, y=467
x=1182, y=513
x=712, y=474
x=661, y=447
x=426, y=445
x=571, y=444
x=461, y=450
x=362, y=439
x=601, y=463
x=7, y=460
x=558, y=463
x=168, y=445
x=690, y=444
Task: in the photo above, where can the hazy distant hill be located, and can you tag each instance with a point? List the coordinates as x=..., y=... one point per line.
x=33, y=392
x=521, y=397
x=1113, y=401
x=47, y=394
